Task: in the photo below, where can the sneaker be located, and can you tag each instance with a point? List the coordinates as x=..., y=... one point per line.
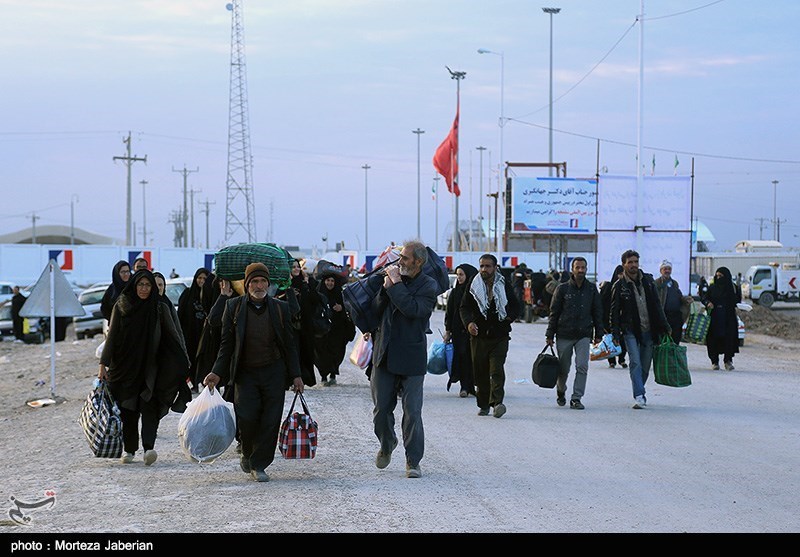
x=576, y=404
x=715, y=367
x=729, y=366
x=259, y=475
x=413, y=471
x=127, y=458
x=640, y=403
x=150, y=457
x=244, y=464
x=463, y=394
x=499, y=410
x=623, y=365
x=238, y=447
x=382, y=460
x=332, y=381
x=483, y=412
x=561, y=399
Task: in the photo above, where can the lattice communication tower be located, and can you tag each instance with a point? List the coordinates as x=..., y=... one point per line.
x=240, y=212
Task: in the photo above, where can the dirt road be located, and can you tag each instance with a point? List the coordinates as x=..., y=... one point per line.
x=722, y=455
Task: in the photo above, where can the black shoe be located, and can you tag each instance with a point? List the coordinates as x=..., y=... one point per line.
x=259, y=475
x=576, y=404
x=561, y=400
x=483, y=412
x=623, y=365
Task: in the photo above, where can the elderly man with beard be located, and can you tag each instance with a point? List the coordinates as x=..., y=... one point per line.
x=488, y=309
x=399, y=357
x=676, y=305
x=258, y=355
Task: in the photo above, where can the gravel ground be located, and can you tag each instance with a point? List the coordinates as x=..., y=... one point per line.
x=722, y=455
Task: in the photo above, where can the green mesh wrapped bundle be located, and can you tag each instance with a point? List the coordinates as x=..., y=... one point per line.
x=231, y=261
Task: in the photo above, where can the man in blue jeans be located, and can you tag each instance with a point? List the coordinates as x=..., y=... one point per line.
x=637, y=316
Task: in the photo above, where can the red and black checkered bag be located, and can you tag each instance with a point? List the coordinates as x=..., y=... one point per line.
x=298, y=437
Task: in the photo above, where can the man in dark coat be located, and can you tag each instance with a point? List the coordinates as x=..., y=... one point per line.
x=676, y=305
x=17, y=301
x=576, y=312
x=399, y=356
x=488, y=309
x=257, y=355
x=637, y=316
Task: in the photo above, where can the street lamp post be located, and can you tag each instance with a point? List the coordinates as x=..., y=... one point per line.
x=366, y=168
x=502, y=121
x=551, y=11
x=418, y=133
x=775, y=209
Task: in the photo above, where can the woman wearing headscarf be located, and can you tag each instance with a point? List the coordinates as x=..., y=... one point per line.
x=605, y=298
x=723, y=333
x=184, y=392
x=456, y=332
x=329, y=349
x=120, y=275
x=192, y=316
x=303, y=291
x=144, y=361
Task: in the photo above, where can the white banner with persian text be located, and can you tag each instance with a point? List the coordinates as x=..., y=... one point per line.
x=665, y=217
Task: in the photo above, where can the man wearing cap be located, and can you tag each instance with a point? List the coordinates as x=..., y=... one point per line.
x=676, y=305
x=258, y=356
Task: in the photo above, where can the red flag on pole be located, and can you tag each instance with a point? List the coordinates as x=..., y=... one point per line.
x=445, y=160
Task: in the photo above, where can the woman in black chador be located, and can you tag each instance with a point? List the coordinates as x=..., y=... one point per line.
x=144, y=361
x=120, y=275
x=456, y=332
x=330, y=348
x=723, y=333
x=192, y=316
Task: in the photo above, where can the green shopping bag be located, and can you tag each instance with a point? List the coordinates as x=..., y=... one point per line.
x=669, y=364
x=697, y=325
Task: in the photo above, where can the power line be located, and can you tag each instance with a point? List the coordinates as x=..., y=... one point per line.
x=683, y=12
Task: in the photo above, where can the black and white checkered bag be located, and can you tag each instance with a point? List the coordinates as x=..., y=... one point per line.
x=101, y=422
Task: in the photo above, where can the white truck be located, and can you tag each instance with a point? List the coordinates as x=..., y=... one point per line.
x=767, y=284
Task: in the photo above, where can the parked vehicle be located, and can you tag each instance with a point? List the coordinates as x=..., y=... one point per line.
x=175, y=287
x=36, y=329
x=767, y=284
x=91, y=323
x=441, y=299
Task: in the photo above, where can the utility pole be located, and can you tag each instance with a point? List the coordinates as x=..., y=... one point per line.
x=481, y=149
x=72, y=200
x=779, y=228
x=436, y=193
x=34, y=218
x=775, y=210
x=129, y=160
x=761, y=227
x=144, y=214
x=366, y=168
x=185, y=173
x=191, y=204
x=206, y=204
x=176, y=219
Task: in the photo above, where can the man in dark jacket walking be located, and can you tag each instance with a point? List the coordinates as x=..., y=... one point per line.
x=676, y=305
x=399, y=355
x=257, y=355
x=17, y=301
x=488, y=309
x=575, y=313
x=637, y=316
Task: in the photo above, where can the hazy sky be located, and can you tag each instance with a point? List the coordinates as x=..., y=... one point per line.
x=337, y=84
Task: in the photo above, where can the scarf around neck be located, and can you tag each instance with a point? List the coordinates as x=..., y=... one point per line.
x=641, y=300
x=478, y=290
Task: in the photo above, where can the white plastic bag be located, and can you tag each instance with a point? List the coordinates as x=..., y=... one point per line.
x=362, y=352
x=99, y=351
x=207, y=427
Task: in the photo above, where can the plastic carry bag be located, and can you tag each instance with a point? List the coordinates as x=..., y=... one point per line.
x=102, y=423
x=698, y=324
x=362, y=352
x=437, y=358
x=669, y=364
x=605, y=349
x=99, y=352
x=207, y=427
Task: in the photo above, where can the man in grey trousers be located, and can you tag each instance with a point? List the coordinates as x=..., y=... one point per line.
x=400, y=354
x=576, y=310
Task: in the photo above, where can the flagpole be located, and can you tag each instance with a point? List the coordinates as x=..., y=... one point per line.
x=458, y=76
x=639, y=178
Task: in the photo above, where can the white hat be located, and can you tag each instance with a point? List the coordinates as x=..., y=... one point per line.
x=665, y=263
